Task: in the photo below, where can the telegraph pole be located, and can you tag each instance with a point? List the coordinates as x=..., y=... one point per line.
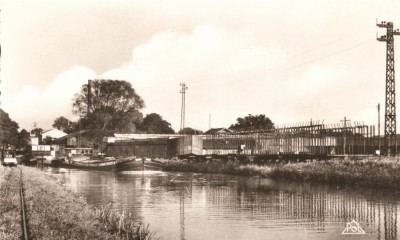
x=89, y=96
x=183, y=92
x=344, y=134
x=390, y=104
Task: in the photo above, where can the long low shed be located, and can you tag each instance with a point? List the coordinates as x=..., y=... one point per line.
x=153, y=146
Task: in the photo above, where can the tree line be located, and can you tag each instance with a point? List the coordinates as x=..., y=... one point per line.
x=108, y=106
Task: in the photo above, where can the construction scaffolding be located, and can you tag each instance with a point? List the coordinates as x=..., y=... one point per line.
x=313, y=138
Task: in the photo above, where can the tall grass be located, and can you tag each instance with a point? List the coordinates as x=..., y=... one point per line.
x=10, y=217
x=229, y=167
x=383, y=173
x=123, y=226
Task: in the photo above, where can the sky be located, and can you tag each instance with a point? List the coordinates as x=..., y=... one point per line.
x=291, y=60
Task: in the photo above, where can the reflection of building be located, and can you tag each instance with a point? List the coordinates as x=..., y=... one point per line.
x=315, y=209
x=255, y=204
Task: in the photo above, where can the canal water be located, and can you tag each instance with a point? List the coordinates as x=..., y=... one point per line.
x=216, y=206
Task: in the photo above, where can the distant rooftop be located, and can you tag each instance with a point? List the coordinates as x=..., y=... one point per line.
x=213, y=131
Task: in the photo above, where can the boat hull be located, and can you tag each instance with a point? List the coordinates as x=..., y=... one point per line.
x=134, y=165
x=93, y=165
x=101, y=165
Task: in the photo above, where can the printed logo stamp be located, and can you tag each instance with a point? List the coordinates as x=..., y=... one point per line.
x=353, y=227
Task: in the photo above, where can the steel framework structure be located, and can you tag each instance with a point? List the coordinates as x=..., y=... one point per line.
x=390, y=103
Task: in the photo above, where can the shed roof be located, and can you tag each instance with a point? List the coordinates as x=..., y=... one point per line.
x=217, y=131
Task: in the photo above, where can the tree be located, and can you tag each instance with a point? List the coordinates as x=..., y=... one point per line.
x=153, y=123
x=190, y=131
x=114, y=106
x=23, y=139
x=47, y=140
x=37, y=132
x=8, y=129
x=251, y=123
x=63, y=124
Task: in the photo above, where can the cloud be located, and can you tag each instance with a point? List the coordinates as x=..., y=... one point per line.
x=32, y=104
x=208, y=60
x=290, y=61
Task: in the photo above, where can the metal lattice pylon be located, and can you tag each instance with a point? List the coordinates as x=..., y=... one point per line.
x=390, y=103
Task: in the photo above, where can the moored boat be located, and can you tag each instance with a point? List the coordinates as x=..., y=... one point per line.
x=138, y=164
x=91, y=164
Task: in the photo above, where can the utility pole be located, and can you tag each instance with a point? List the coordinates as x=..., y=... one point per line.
x=89, y=96
x=390, y=104
x=209, y=121
x=183, y=92
x=344, y=134
x=379, y=127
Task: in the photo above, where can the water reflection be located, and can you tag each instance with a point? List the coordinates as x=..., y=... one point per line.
x=206, y=206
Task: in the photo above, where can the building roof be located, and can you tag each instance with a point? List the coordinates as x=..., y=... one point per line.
x=53, y=133
x=212, y=131
x=74, y=134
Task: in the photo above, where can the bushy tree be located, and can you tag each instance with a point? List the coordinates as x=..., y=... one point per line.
x=23, y=139
x=48, y=140
x=8, y=129
x=37, y=132
x=63, y=124
x=252, y=123
x=190, y=131
x=154, y=123
x=114, y=106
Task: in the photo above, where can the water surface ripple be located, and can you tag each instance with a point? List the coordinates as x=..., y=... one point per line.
x=214, y=206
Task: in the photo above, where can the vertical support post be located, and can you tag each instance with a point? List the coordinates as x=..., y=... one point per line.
x=344, y=134
x=379, y=127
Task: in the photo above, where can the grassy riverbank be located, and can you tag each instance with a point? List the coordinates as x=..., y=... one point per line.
x=382, y=173
x=56, y=213
x=10, y=219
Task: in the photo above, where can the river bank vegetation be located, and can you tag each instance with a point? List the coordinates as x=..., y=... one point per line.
x=54, y=212
x=10, y=219
x=372, y=172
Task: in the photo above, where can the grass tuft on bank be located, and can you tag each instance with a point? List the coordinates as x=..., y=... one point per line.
x=372, y=172
x=123, y=226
